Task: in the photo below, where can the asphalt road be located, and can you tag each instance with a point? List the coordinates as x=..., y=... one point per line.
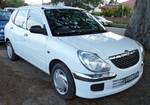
x=119, y=31
x=23, y=84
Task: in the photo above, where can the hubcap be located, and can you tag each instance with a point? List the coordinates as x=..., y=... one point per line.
x=60, y=81
x=9, y=51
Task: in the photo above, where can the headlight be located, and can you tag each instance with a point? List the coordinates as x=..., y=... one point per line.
x=1, y=30
x=141, y=49
x=93, y=62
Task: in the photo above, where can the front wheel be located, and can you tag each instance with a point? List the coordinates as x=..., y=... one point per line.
x=62, y=81
x=10, y=52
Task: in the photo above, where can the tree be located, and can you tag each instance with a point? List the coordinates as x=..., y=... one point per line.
x=2, y=3
x=111, y=2
x=123, y=10
x=120, y=11
x=86, y=4
x=139, y=24
x=11, y=3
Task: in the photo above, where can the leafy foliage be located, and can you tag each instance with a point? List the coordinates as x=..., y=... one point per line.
x=120, y=11
x=123, y=10
x=111, y=1
x=86, y=4
x=11, y=3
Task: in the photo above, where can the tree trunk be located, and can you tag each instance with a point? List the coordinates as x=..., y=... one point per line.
x=139, y=24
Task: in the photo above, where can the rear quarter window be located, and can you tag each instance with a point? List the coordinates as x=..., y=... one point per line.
x=14, y=15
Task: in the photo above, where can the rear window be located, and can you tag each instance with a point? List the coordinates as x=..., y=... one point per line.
x=20, y=18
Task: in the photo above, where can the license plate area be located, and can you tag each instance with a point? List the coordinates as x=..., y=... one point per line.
x=123, y=81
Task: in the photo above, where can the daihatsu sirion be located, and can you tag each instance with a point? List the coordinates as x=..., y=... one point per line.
x=82, y=57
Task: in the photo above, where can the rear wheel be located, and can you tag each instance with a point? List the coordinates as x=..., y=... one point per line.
x=10, y=52
x=62, y=81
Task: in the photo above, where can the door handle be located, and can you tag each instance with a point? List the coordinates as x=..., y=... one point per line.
x=26, y=35
x=11, y=27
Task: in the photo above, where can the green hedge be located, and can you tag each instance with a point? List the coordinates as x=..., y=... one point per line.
x=120, y=11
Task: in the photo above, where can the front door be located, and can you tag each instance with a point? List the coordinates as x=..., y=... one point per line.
x=35, y=42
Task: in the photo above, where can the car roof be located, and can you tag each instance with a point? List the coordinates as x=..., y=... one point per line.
x=9, y=8
x=48, y=7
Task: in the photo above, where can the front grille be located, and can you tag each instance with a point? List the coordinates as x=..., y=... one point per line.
x=125, y=60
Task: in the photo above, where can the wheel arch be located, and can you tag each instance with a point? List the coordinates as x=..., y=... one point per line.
x=6, y=40
x=53, y=62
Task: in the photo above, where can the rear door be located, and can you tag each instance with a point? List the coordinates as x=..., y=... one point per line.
x=18, y=31
x=35, y=42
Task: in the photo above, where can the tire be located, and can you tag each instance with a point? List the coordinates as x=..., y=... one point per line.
x=62, y=73
x=10, y=52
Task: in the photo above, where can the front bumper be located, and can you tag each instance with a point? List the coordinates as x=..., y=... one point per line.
x=94, y=78
x=106, y=86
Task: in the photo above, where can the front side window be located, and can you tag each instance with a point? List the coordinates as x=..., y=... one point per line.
x=20, y=18
x=67, y=22
x=34, y=19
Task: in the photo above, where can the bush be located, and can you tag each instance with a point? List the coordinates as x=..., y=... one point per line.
x=120, y=11
x=109, y=12
x=123, y=10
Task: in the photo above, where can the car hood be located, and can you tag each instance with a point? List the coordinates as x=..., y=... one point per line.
x=104, y=44
x=3, y=23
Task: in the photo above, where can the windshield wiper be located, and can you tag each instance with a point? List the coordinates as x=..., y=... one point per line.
x=90, y=31
x=77, y=32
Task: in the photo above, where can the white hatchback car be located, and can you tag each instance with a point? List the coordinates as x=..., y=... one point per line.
x=82, y=58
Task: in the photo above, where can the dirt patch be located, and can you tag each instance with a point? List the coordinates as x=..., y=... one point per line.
x=23, y=84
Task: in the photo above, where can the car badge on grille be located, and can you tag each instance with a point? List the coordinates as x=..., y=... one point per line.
x=126, y=53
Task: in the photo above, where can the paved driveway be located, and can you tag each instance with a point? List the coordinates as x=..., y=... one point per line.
x=119, y=31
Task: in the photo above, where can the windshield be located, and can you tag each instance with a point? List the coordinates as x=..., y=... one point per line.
x=4, y=15
x=68, y=22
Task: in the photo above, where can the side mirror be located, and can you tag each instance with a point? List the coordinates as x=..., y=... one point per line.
x=38, y=30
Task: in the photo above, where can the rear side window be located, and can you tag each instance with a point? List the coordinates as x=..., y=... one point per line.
x=20, y=18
